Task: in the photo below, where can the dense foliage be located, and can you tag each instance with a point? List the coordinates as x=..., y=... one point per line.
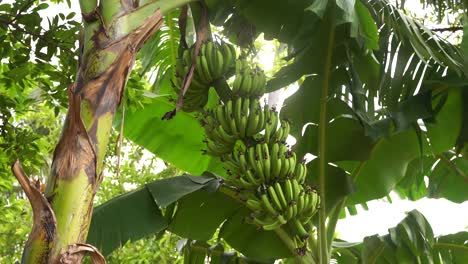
x=382, y=95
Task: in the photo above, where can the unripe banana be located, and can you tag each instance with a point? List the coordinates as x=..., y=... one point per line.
x=250, y=177
x=238, y=110
x=296, y=189
x=280, y=194
x=267, y=205
x=219, y=64
x=209, y=53
x=222, y=118
x=252, y=122
x=228, y=57
x=274, y=198
x=246, y=88
x=228, y=139
x=254, y=205
x=300, y=203
x=243, y=126
x=302, y=232
x=206, y=69
x=199, y=71
x=288, y=190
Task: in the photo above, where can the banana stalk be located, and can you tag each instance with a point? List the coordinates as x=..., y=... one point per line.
x=112, y=33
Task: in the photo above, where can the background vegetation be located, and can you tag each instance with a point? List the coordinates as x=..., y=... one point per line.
x=403, y=84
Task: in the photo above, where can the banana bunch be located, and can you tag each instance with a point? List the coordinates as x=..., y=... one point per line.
x=248, y=82
x=214, y=61
x=286, y=202
x=263, y=164
x=251, y=142
x=238, y=118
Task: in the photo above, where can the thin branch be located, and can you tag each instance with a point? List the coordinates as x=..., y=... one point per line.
x=452, y=166
x=452, y=29
x=202, y=33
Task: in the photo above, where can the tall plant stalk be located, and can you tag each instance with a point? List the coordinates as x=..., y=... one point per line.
x=324, y=254
x=112, y=34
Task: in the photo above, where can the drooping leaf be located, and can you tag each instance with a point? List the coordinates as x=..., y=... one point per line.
x=199, y=214
x=251, y=241
x=138, y=213
x=449, y=179
x=178, y=141
x=386, y=166
x=128, y=217
x=411, y=241
x=444, y=130
x=339, y=184
x=168, y=191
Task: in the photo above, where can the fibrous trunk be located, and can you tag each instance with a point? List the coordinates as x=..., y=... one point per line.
x=113, y=31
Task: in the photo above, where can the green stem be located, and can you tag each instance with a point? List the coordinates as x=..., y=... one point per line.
x=307, y=259
x=335, y=215
x=333, y=220
x=323, y=245
x=452, y=166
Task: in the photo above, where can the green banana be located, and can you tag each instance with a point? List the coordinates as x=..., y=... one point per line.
x=302, y=232
x=267, y=205
x=228, y=139
x=206, y=69
x=219, y=64
x=236, y=85
x=222, y=119
x=274, y=198
x=243, y=126
x=280, y=194
x=252, y=122
x=254, y=205
x=199, y=71
x=288, y=190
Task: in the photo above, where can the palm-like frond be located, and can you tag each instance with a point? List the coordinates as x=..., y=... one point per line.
x=410, y=53
x=159, y=55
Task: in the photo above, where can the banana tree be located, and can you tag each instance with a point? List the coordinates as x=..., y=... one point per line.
x=359, y=118
x=112, y=33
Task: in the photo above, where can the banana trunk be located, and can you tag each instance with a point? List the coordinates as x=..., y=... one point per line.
x=112, y=33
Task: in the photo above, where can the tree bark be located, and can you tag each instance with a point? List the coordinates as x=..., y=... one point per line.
x=112, y=33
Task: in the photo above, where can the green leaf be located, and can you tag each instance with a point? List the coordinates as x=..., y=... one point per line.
x=367, y=26
x=411, y=241
x=127, y=217
x=385, y=168
x=178, y=141
x=252, y=242
x=444, y=131
x=199, y=214
x=339, y=184
x=167, y=191
x=453, y=248
x=346, y=140
x=137, y=214
x=318, y=7
x=412, y=185
x=449, y=180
